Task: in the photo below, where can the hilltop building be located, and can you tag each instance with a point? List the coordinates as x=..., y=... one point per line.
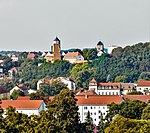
x=55, y=51
x=74, y=57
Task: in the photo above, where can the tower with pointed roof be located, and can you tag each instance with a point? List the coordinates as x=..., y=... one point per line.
x=56, y=49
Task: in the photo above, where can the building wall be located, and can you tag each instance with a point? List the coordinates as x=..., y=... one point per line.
x=56, y=48
x=108, y=92
x=95, y=112
x=144, y=90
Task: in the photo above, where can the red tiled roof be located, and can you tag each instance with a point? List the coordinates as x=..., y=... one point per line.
x=86, y=92
x=110, y=84
x=97, y=99
x=143, y=83
x=22, y=104
x=23, y=98
x=143, y=98
x=71, y=55
x=31, y=55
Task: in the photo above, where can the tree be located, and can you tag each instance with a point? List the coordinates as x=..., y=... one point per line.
x=146, y=113
x=89, y=126
x=101, y=124
x=134, y=92
x=127, y=125
x=16, y=93
x=132, y=109
x=122, y=79
x=65, y=112
x=144, y=76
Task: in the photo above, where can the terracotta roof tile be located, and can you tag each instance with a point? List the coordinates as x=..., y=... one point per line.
x=143, y=83
x=144, y=98
x=71, y=55
x=98, y=99
x=22, y=104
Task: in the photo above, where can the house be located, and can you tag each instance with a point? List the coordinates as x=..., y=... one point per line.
x=32, y=55
x=73, y=57
x=144, y=86
x=127, y=87
x=4, y=94
x=12, y=71
x=14, y=57
x=29, y=107
x=105, y=88
x=69, y=82
x=20, y=87
x=1, y=62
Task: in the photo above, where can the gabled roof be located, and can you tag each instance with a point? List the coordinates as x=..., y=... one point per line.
x=22, y=87
x=111, y=84
x=22, y=104
x=127, y=86
x=143, y=98
x=143, y=83
x=56, y=39
x=72, y=55
x=98, y=100
x=15, y=69
x=93, y=82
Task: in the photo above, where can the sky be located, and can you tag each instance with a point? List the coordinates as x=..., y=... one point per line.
x=32, y=25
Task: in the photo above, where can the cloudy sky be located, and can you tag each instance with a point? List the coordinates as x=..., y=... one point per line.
x=28, y=25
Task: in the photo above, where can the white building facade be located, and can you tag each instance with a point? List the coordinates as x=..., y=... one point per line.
x=96, y=105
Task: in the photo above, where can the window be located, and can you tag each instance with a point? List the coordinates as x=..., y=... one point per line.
x=103, y=113
x=95, y=113
x=91, y=107
x=94, y=107
x=109, y=93
x=99, y=111
x=94, y=119
x=91, y=113
x=103, y=107
x=85, y=107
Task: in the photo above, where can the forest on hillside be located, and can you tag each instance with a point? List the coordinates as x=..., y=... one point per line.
x=123, y=65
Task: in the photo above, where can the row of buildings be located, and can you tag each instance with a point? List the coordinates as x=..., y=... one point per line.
x=97, y=105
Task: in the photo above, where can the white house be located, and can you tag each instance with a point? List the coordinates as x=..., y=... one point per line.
x=96, y=105
x=12, y=71
x=29, y=107
x=144, y=86
x=14, y=57
x=69, y=82
x=72, y=57
x=20, y=87
x=105, y=88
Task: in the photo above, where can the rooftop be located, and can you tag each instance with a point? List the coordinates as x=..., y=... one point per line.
x=143, y=83
x=21, y=104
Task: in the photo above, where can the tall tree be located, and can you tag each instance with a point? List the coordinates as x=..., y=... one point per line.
x=89, y=126
x=65, y=112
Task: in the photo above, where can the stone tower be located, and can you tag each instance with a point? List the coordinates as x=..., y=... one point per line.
x=56, y=49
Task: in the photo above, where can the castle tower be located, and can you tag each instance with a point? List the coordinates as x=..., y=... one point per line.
x=100, y=46
x=56, y=49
